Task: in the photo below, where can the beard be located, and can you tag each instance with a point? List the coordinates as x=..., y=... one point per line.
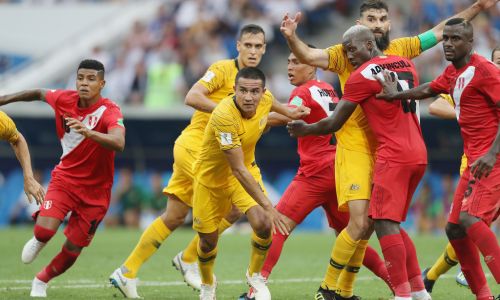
x=383, y=41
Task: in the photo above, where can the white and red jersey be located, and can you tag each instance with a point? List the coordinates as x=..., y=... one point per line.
x=84, y=162
x=315, y=152
x=475, y=89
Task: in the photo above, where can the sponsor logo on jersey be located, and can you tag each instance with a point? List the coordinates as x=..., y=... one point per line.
x=355, y=187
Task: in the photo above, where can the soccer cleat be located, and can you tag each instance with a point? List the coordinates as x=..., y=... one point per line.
x=460, y=279
x=38, y=288
x=247, y=295
x=429, y=284
x=324, y=294
x=258, y=284
x=207, y=292
x=31, y=250
x=421, y=295
x=190, y=272
x=127, y=286
x=353, y=297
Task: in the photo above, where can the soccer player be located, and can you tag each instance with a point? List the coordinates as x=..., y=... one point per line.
x=401, y=154
x=216, y=84
x=444, y=107
x=474, y=83
x=9, y=133
x=91, y=129
x=312, y=186
x=226, y=174
x=355, y=141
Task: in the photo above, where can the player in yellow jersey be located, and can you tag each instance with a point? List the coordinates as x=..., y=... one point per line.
x=226, y=174
x=355, y=142
x=217, y=83
x=9, y=133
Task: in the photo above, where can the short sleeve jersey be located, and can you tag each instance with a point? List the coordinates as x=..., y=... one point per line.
x=8, y=130
x=219, y=81
x=475, y=89
x=395, y=124
x=355, y=134
x=228, y=129
x=84, y=162
x=316, y=152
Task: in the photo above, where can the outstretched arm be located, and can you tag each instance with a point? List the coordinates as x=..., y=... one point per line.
x=197, y=98
x=305, y=54
x=333, y=123
x=24, y=96
x=390, y=89
x=287, y=111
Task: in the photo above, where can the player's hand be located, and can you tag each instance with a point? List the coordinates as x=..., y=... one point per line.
x=299, y=112
x=486, y=4
x=483, y=165
x=389, y=85
x=77, y=126
x=289, y=25
x=279, y=222
x=297, y=128
x=33, y=189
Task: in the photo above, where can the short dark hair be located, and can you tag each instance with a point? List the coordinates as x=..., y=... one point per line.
x=92, y=64
x=461, y=21
x=373, y=4
x=251, y=28
x=497, y=48
x=251, y=73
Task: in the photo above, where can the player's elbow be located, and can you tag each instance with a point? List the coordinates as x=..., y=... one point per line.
x=120, y=145
x=190, y=99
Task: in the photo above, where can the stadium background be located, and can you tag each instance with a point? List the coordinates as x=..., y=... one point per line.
x=154, y=51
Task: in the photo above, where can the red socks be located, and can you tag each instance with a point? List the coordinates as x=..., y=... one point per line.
x=274, y=253
x=487, y=243
x=63, y=261
x=394, y=252
x=43, y=234
x=375, y=264
x=412, y=267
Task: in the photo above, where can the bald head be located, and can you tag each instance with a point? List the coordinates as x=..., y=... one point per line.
x=360, y=33
x=359, y=45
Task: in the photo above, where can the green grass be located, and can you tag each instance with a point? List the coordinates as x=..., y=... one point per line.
x=296, y=276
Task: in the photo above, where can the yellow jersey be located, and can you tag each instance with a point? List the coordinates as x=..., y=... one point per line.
x=219, y=80
x=227, y=129
x=463, y=162
x=356, y=135
x=8, y=130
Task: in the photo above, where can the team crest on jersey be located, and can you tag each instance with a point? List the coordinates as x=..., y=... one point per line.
x=47, y=204
x=93, y=121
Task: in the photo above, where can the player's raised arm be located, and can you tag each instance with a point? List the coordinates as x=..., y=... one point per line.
x=333, y=123
x=23, y=96
x=305, y=54
x=197, y=98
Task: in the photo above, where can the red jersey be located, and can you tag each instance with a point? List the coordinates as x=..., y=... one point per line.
x=475, y=88
x=84, y=162
x=395, y=124
x=315, y=152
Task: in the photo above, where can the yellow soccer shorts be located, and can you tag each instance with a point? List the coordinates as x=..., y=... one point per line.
x=353, y=176
x=210, y=205
x=181, y=182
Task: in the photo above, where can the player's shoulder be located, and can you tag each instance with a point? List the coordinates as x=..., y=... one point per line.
x=225, y=108
x=110, y=104
x=66, y=94
x=224, y=64
x=485, y=67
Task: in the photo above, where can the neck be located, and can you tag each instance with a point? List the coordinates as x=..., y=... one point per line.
x=463, y=61
x=375, y=53
x=86, y=103
x=240, y=63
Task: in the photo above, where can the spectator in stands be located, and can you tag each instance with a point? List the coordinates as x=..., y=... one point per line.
x=130, y=197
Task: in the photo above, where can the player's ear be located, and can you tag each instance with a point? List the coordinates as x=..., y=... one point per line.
x=103, y=83
x=358, y=22
x=238, y=46
x=389, y=28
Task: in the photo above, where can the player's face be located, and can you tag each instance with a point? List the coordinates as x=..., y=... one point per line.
x=378, y=22
x=251, y=47
x=456, y=43
x=496, y=58
x=248, y=93
x=89, y=84
x=299, y=73
x=358, y=52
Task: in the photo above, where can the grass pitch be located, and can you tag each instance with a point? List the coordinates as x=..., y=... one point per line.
x=296, y=276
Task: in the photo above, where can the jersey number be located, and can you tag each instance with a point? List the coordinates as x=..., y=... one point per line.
x=406, y=82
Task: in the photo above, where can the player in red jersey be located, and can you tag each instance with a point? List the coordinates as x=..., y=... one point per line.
x=401, y=156
x=90, y=129
x=474, y=84
x=314, y=184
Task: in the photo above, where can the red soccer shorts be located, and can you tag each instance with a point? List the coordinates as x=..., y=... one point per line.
x=88, y=206
x=304, y=194
x=393, y=188
x=479, y=198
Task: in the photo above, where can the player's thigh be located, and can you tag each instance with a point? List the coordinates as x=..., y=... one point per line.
x=462, y=188
x=57, y=204
x=87, y=215
x=181, y=182
x=210, y=205
x=483, y=201
x=353, y=176
x=175, y=213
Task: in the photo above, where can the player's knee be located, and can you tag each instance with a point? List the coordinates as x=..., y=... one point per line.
x=359, y=227
x=234, y=215
x=454, y=231
x=467, y=220
x=207, y=244
x=263, y=227
x=43, y=234
x=172, y=221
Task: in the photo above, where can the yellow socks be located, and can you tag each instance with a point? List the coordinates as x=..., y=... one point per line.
x=447, y=260
x=206, y=262
x=190, y=254
x=342, y=252
x=260, y=247
x=149, y=242
x=345, y=282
